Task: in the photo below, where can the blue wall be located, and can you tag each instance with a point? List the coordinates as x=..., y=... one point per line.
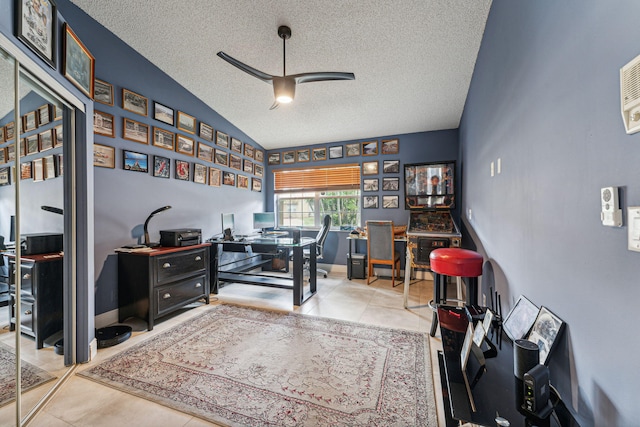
x=414, y=148
x=545, y=98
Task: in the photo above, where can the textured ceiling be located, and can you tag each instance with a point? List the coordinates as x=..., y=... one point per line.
x=413, y=60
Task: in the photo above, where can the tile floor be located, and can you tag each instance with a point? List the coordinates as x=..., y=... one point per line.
x=82, y=402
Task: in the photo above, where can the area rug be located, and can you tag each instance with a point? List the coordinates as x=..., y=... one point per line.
x=32, y=376
x=246, y=367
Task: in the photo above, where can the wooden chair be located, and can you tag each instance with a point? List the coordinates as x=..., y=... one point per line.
x=381, y=248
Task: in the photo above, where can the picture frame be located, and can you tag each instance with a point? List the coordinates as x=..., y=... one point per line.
x=370, y=202
x=29, y=121
x=11, y=153
x=33, y=145
x=335, y=152
x=205, y=152
x=199, y=174
x=229, y=178
x=222, y=139
x=288, y=157
x=248, y=166
x=235, y=162
x=391, y=166
x=163, y=138
x=215, y=177
x=545, y=332
x=45, y=140
x=161, y=167
x=370, y=168
x=3, y=155
x=352, y=149
x=38, y=170
x=163, y=114
x=103, y=124
x=135, y=102
x=102, y=92
x=78, y=65
x=185, y=145
x=135, y=131
x=183, y=170
x=319, y=154
x=37, y=29
x=9, y=131
x=236, y=145
x=104, y=156
x=256, y=185
x=23, y=147
x=259, y=155
x=370, y=184
x=206, y=132
x=302, y=156
x=258, y=170
x=5, y=176
x=2, y=138
x=186, y=122
x=243, y=182
x=390, y=202
x=248, y=151
x=135, y=162
x=26, y=170
x=520, y=318
x=60, y=164
x=390, y=184
x=49, y=166
x=273, y=158
x=44, y=115
x=390, y=146
x=56, y=112
x=221, y=157
x=370, y=148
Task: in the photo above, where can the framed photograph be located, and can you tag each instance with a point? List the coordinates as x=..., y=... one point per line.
x=23, y=147
x=390, y=202
x=5, y=176
x=215, y=177
x=235, y=162
x=370, y=168
x=49, y=166
x=319, y=154
x=185, y=145
x=44, y=115
x=370, y=202
x=222, y=158
x=236, y=145
x=38, y=170
x=256, y=184
x=162, y=113
x=79, y=65
x=391, y=166
x=56, y=113
x=29, y=121
x=9, y=131
x=205, y=152
x=135, y=102
x=135, y=162
x=243, y=182
x=520, y=318
x=45, y=140
x=11, y=153
x=248, y=151
x=161, y=166
x=288, y=157
x=60, y=164
x=3, y=155
x=370, y=184
x=58, y=136
x=186, y=122
x=370, y=148
x=229, y=178
x=302, y=155
x=37, y=26
x=259, y=155
x=258, y=170
x=103, y=124
x=25, y=170
x=545, y=332
x=390, y=184
x=182, y=170
x=390, y=146
x=206, y=132
x=102, y=92
x=248, y=166
x=353, y=149
x=335, y=152
x=104, y=156
x=273, y=158
x=163, y=138
x=199, y=174
x=33, y=145
x=2, y=138
x=222, y=139
x=135, y=131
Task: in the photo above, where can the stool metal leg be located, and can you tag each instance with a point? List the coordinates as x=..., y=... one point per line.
x=472, y=290
x=437, y=288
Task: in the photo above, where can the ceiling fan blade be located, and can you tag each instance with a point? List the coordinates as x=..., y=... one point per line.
x=322, y=76
x=275, y=105
x=247, y=69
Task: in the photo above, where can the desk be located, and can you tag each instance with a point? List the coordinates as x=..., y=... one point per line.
x=243, y=275
x=357, y=237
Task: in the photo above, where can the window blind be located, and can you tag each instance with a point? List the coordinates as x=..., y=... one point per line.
x=340, y=177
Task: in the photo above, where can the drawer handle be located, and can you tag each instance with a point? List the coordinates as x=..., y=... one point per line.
x=166, y=265
x=28, y=312
x=26, y=276
x=166, y=296
x=198, y=258
x=198, y=285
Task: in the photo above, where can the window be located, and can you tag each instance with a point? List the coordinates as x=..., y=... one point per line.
x=305, y=196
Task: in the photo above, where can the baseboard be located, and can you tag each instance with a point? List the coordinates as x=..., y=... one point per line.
x=106, y=319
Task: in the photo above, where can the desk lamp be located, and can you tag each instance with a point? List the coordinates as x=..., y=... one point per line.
x=146, y=223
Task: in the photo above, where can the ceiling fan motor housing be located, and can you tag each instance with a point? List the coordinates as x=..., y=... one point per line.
x=284, y=89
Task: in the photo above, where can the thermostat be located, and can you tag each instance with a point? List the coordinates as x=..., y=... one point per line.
x=611, y=214
x=633, y=213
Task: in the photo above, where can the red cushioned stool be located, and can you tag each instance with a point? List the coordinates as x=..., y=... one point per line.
x=454, y=262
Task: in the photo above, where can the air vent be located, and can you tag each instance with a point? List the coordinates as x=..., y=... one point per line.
x=630, y=95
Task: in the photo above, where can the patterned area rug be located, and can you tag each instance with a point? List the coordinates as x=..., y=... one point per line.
x=32, y=376
x=249, y=367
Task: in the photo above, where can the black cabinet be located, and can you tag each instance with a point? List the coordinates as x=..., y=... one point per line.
x=154, y=283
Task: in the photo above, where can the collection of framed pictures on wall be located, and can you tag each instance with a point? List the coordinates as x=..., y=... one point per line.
x=219, y=149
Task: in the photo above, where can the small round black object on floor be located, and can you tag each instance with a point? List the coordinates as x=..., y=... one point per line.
x=112, y=335
x=58, y=347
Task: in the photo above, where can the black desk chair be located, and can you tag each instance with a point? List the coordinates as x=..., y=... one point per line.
x=320, y=238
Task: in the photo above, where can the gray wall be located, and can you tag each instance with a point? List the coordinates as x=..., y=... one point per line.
x=545, y=98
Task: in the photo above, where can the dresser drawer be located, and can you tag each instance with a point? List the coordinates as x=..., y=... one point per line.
x=173, y=296
x=26, y=275
x=26, y=316
x=173, y=266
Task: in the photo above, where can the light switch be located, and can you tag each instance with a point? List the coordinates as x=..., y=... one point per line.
x=633, y=215
x=493, y=170
x=499, y=165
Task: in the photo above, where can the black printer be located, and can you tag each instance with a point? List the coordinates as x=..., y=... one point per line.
x=181, y=237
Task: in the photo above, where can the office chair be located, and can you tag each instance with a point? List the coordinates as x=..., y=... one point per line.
x=381, y=248
x=320, y=238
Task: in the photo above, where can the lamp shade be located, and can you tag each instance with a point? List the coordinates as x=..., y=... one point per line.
x=284, y=89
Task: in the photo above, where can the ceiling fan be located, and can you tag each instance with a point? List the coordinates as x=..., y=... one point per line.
x=284, y=87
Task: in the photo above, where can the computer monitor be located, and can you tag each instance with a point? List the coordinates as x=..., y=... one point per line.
x=228, y=222
x=264, y=220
